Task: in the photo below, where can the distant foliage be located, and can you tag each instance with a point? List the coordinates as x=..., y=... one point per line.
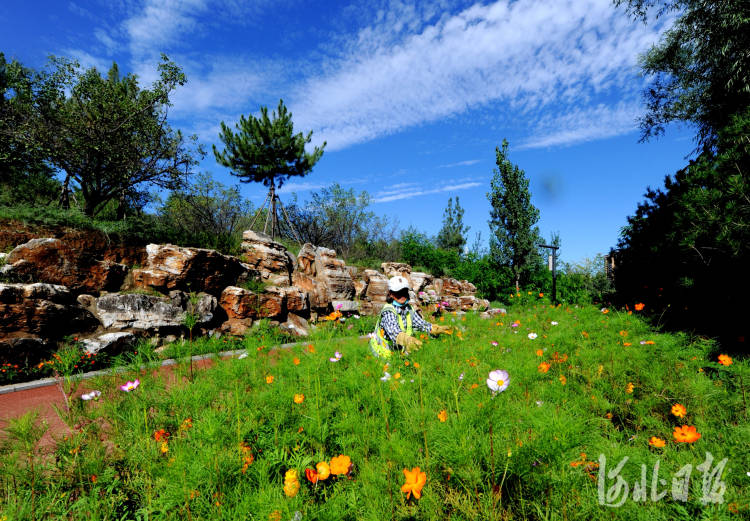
x=452, y=236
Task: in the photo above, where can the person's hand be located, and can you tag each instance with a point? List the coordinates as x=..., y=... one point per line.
x=408, y=341
x=437, y=329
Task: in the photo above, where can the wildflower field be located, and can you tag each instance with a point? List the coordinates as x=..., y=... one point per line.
x=528, y=415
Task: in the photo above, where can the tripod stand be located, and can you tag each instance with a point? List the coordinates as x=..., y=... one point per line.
x=271, y=200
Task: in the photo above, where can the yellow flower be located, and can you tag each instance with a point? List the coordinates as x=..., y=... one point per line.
x=656, y=442
x=164, y=447
x=397, y=376
x=443, y=416
x=269, y=379
x=543, y=367
x=629, y=388
x=299, y=398
x=324, y=470
x=415, y=480
x=340, y=464
x=679, y=410
x=291, y=489
x=563, y=380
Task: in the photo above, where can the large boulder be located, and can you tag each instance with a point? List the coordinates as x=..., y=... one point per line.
x=391, y=269
x=296, y=325
x=333, y=273
x=150, y=313
x=81, y=267
x=317, y=290
x=37, y=315
x=270, y=258
x=39, y=310
x=419, y=280
x=241, y=303
x=467, y=288
x=377, y=286
x=111, y=343
x=467, y=302
x=451, y=287
x=170, y=267
x=297, y=300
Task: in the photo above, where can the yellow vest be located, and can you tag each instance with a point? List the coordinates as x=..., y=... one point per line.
x=379, y=343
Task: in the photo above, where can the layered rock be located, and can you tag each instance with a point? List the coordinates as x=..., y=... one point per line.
x=170, y=267
x=241, y=304
x=35, y=315
x=150, y=313
x=296, y=325
x=452, y=287
x=391, y=269
x=270, y=259
x=332, y=272
x=80, y=267
x=419, y=280
x=110, y=343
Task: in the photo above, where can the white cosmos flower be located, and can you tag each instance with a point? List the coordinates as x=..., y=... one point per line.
x=532, y=336
x=553, y=323
x=386, y=377
x=243, y=355
x=498, y=380
x=93, y=395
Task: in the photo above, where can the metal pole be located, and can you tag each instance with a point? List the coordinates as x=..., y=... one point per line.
x=554, y=276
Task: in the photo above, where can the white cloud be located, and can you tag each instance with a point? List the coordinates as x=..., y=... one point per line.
x=303, y=186
x=580, y=125
x=410, y=190
x=162, y=23
x=468, y=162
x=529, y=56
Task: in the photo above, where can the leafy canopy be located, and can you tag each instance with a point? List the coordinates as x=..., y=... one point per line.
x=266, y=150
x=452, y=236
x=700, y=71
x=514, y=238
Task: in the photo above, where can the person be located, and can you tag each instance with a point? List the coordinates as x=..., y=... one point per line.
x=397, y=322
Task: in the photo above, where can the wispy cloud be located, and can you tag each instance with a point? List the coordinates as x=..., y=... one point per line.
x=529, y=56
x=410, y=190
x=304, y=186
x=468, y=162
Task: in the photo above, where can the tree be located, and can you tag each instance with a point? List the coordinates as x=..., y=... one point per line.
x=266, y=150
x=700, y=71
x=514, y=237
x=452, y=236
x=110, y=137
x=208, y=214
x=24, y=174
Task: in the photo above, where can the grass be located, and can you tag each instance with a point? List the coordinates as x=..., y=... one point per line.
x=529, y=452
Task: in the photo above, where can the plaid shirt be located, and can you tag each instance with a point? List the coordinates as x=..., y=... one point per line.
x=389, y=322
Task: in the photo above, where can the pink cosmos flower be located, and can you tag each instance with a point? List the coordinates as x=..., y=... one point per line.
x=130, y=386
x=336, y=357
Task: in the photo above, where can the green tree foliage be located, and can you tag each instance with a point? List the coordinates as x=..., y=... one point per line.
x=340, y=219
x=452, y=236
x=689, y=243
x=514, y=240
x=110, y=137
x=207, y=214
x=700, y=71
x=25, y=177
x=266, y=150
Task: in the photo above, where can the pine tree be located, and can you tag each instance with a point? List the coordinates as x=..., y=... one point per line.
x=452, y=235
x=514, y=238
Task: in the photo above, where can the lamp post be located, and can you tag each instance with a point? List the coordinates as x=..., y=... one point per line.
x=554, y=273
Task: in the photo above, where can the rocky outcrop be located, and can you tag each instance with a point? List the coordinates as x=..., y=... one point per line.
x=41, y=311
x=452, y=287
x=150, y=313
x=76, y=266
x=111, y=343
x=240, y=303
x=391, y=269
x=270, y=259
x=170, y=267
x=419, y=280
x=467, y=302
x=332, y=272
x=296, y=325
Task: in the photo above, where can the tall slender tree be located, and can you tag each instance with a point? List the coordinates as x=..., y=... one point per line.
x=266, y=150
x=514, y=238
x=452, y=236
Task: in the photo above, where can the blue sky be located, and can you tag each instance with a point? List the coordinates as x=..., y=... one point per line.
x=411, y=99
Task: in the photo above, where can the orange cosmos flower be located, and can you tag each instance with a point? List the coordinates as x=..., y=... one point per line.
x=323, y=470
x=686, y=434
x=725, y=360
x=539, y=352
x=543, y=367
x=340, y=465
x=563, y=380
x=299, y=398
x=656, y=442
x=416, y=365
x=161, y=435
x=310, y=348
x=397, y=376
x=679, y=410
x=415, y=480
x=269, y=379
x=443, y=416
x=295, y=361
x=311, y=475
x=626, y=344
x=639, y=306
